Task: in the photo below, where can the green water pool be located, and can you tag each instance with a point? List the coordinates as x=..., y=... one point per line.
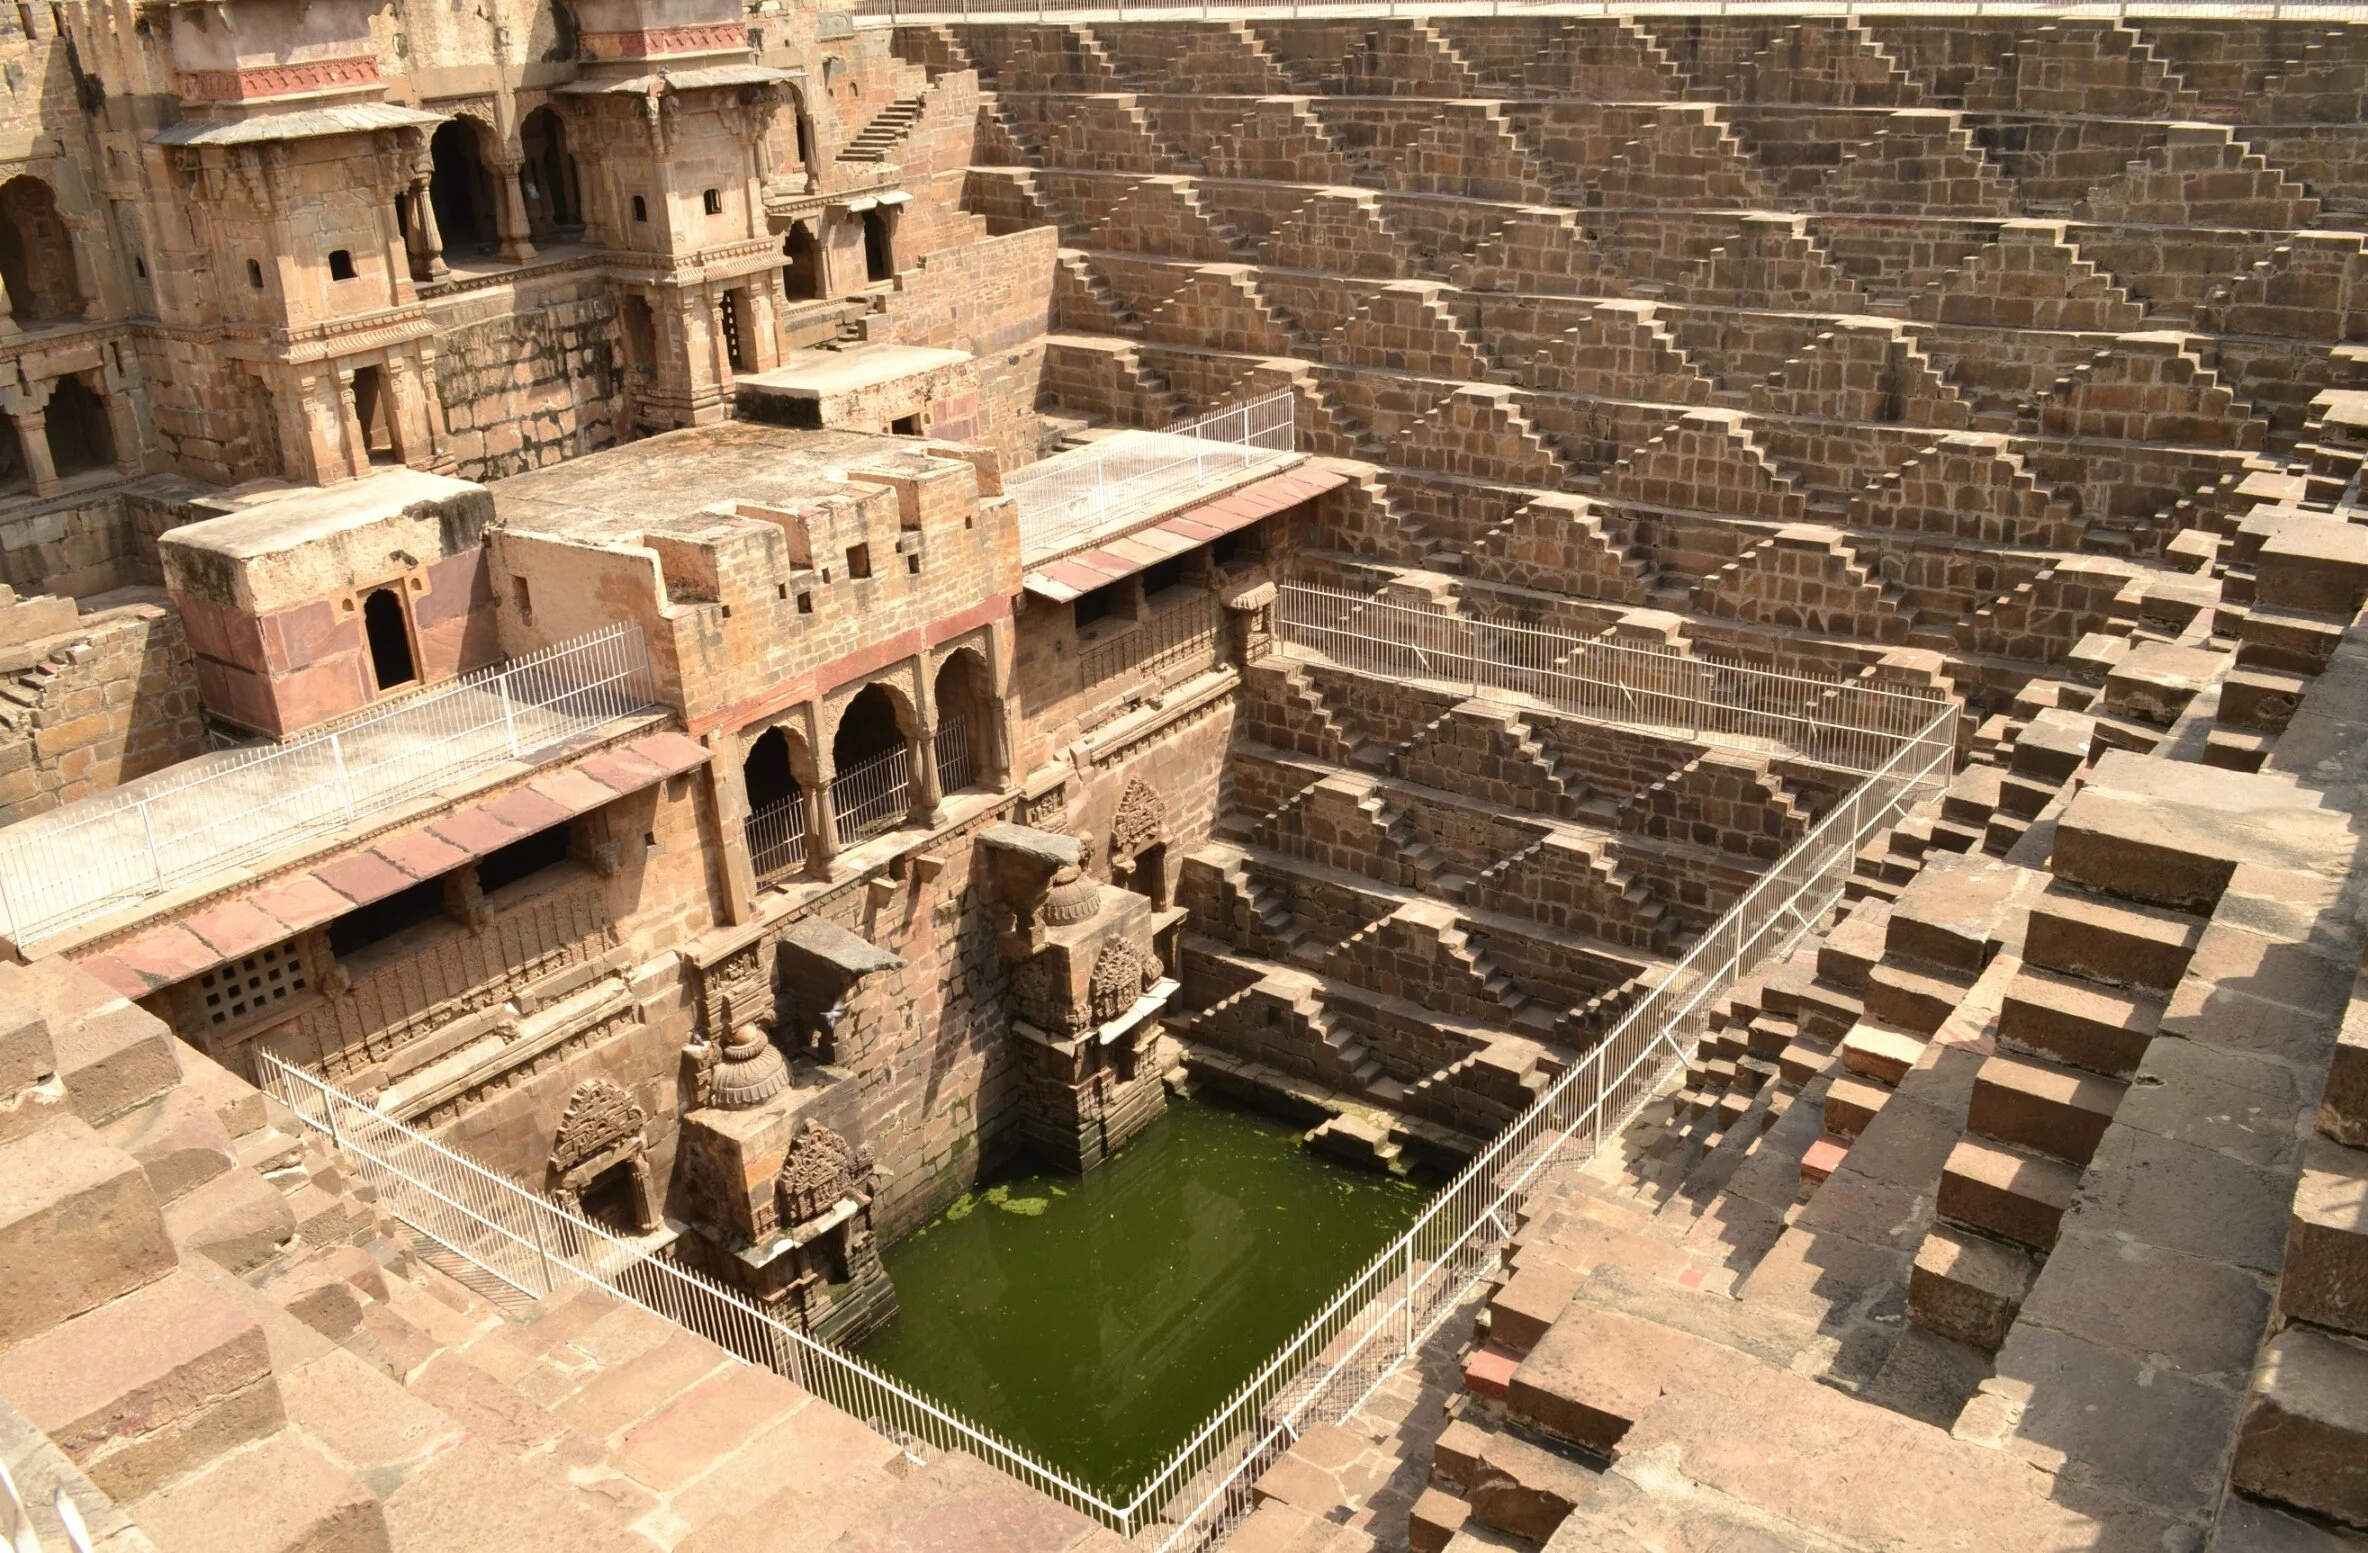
x=1098, y=1321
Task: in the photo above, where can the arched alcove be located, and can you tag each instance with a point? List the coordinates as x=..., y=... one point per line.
x=461, y=188
x=36, y=253
x=547, y=177
x=390, y=639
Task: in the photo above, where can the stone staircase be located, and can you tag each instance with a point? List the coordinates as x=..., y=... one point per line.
x=886, y=130
x=214, y=1338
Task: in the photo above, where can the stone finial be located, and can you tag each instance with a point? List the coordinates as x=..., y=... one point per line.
x=750, y=1072
x=1074, y=897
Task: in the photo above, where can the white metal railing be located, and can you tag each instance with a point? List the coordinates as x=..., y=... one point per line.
x=1838, y=723
x=873, y=795
x=74, y=863
x=539, y=1248
x=1063, y=499
x=1375, y=1324
x=17, y=1532
x=867, y=798
x=1383, y=1316
x=953, y=755
x=777, y=838
x=891, y=11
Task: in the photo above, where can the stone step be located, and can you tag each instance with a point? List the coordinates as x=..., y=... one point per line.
x=1913, y=996
x=1953, y=836
x=1512, y=1485
x=1880, y=1053
x=1768, y=1036
x=79, y=1225
x=1972, y=794
x=284, y=1496
x=1593, y=1374
x=2006, y=1193
x=1950, y=917
x=2003, y=831
x=2021, y=797
x=2304, y=1437
x=1852, y=1103
x=1853, y=947
x=2343, y=1105
x=1827, y=1010
x=1803, y=1060
x=177, y=1139
x=2325, y=1281
x=1968, y=1288
x=2103, y=939
x=1435, y=1519
x=1526, y=1305
x=151, y=1387
x=2073, y=1020
x=2042, y=1105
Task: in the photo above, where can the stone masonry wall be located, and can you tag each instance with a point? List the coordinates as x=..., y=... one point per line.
x=83, y=713
x=528, y=387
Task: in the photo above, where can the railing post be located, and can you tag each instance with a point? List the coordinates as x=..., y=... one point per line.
x=541, y=1250
x=345, y=787
x=509, y=716
x=148, y=829
x=1408, y=1347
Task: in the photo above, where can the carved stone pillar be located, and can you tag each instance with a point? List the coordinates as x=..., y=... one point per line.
x=32, y=437
x=929, y=799
x=822, y=835
x=349, y=420
x=510, y=217
x=123, y=425
x=423, y=224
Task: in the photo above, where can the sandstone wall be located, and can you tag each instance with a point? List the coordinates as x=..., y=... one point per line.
x=79, y=714
x=521, y=388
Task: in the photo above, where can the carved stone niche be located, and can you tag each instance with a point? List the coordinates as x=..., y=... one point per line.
x=1085, y=1007
x=815, y=972
x=599, y=1163
x=778, y=1201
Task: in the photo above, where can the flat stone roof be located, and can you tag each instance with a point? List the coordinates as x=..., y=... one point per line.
x=817, y=373
x=1125, y=481
x=308, y=513
x=669, y=482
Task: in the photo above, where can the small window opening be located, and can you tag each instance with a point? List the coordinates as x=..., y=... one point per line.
x=859, y=560
x=805, y=603
x=912, y=563
x=140, y=268
x=525, y=600
x=1163, y=576
x=249, y=985
x=641, y=208
x=255, y=274
x=523, y=858
x=390, y=640
x=1090, y=607
x=382, y=919
x=906, y=425
x=341, y=264
x=713, y=199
